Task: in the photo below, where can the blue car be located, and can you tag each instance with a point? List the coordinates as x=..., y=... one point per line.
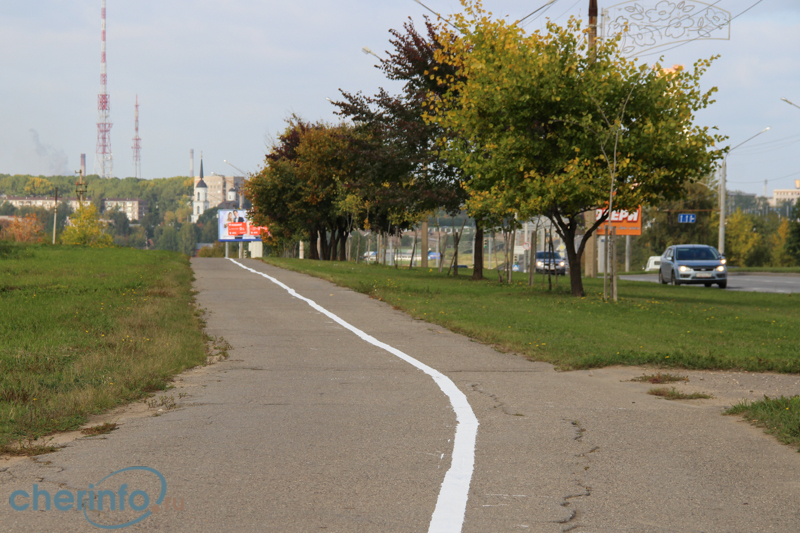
x=693, y=264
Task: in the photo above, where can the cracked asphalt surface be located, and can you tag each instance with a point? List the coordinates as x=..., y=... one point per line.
x=307, y=428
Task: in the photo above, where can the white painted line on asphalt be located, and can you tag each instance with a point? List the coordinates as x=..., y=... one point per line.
x=448, y=516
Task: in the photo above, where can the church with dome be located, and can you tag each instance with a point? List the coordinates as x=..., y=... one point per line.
x=223, y=192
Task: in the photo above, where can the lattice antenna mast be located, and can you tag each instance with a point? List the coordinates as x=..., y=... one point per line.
x=104, y=163
x=137, y=145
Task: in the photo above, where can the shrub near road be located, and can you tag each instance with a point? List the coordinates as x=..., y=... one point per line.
x=689, y=327
x=85, y=329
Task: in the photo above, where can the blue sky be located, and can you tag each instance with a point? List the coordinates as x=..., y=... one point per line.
x=220, y=76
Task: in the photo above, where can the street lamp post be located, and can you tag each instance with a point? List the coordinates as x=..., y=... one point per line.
x=790, y=103
x=239, y=194
x=368, y=51
x=238, y=189
x=722, y=191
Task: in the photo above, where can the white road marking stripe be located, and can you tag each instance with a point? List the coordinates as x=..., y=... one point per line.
x=448, y=516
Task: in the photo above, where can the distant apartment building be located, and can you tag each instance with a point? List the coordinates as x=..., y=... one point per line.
x=780, y=196
x=37, y=201
x=215, y=191
x=134, y=208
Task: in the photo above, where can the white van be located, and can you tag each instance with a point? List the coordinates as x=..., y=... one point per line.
x=653, y=263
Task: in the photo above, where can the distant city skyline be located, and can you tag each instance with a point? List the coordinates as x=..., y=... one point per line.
x=222, y=77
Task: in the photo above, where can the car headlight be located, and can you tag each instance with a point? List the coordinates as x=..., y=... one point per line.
x=721, y=268
x=539, y=263
x=561, y=264
x=723, y=261
x=684, y=268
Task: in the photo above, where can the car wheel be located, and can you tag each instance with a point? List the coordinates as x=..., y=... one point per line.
x=723, y=284
x=661, y=278
x=674, y=280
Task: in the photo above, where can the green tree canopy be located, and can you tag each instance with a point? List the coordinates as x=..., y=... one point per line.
x=542, y=125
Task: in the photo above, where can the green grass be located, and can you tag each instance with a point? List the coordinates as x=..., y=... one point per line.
x=660, y=377
x=84, y=330
x=778, y=416
x=670, y=327
x=675, y=394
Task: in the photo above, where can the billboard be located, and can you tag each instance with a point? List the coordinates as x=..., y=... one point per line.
x=234, y=226
x=626, y=222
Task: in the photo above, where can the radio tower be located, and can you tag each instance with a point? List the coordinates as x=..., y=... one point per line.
x=137, y=145
x=104, y=163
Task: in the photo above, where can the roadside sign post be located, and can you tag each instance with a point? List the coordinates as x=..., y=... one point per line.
x=685, y=218
x=55, y=214
x=235, y=226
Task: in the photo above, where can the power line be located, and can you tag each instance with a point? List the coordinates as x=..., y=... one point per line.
x=773, y=179
x=770, y=149
x=775, y=141
x=546, y=7
x=567, y=11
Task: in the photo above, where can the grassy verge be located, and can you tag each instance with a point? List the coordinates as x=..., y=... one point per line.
x=778, y=416
x=680, y=327
x=84, y=330
x=660, y=378
x=675, y=394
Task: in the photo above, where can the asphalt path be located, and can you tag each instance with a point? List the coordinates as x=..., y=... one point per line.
x=780, y=283
x=309, y=426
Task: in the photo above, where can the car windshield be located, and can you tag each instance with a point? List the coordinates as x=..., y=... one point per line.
x=548, y=256
x=696, y=254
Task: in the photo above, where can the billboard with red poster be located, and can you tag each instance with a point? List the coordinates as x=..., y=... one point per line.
x=235, y=226
x=626, y=222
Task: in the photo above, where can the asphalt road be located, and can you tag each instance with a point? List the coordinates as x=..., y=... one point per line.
x=743, y=282
x=309, y=427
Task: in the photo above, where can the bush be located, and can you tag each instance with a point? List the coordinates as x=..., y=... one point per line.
x=218, y=250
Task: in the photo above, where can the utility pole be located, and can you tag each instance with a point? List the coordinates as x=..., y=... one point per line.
x=55, y=215
x=80, y=189
x=424, y=244
x=589, y=218
x=627, y=253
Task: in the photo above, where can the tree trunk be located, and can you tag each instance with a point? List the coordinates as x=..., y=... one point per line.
x=532, y=263
x=442, y=250
x=477, y=257
x=332, y=246
x=456, y=239
x=551, y=253
x=413, y=251
x=312, y=244
x=512, y=244
x=323, y=244
x=343, y=244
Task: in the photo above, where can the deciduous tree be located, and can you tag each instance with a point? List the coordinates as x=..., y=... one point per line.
x=543, y=125
x=24, y=228
x=38, y=186
x=87, y=229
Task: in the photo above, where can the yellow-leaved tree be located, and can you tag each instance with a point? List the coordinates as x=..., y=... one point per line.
x=87, y=229
x=543, y=125
x=780, y=255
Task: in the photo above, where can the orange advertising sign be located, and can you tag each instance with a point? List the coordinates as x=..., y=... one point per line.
x=256, y=231
x=237, y=228
x=626, y=222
